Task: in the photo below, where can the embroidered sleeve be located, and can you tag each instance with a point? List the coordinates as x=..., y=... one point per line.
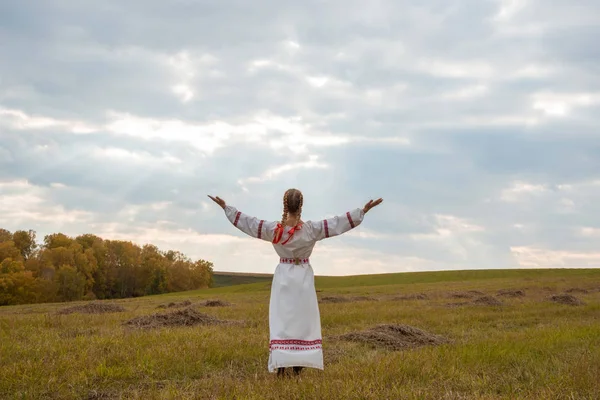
x=337, y=225
x=251, y=226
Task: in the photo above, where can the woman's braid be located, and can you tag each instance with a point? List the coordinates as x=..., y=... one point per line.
x=300, y=207
x=292, y=203
x=285, y=208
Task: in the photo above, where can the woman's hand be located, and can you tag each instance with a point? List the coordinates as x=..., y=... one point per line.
x=218, y=200
x=372, y=204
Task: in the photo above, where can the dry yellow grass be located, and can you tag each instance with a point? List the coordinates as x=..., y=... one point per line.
x=527, y=348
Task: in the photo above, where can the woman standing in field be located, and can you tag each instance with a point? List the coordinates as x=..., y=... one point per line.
x=294, y=318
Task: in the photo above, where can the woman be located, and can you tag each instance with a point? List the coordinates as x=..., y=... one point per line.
x=294, y=319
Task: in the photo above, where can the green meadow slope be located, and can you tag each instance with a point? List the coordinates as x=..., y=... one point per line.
x=222, y=279
x=254, y=282
x=502, y=336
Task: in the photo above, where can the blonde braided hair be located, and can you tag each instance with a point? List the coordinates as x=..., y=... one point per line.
x=285, y=208
x=292, y=203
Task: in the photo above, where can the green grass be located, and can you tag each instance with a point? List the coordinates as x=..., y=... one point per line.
x=221, y=279
x=529, y=348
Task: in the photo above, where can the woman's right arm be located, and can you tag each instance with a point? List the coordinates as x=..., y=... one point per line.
x=342, y=223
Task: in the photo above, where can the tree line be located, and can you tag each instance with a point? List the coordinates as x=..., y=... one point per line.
x=87, y=267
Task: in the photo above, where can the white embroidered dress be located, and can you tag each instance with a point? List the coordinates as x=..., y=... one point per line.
x=294, y=318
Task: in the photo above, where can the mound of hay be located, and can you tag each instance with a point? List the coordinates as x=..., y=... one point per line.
x=467, y=295
x=482, y=301
x=394, y=337
x=487, y=301
x=215, y=303
x=577, y=290
x=566, y=299
x=511, y=293
x=92, y=308
x=334, y=299
x=363, y=298
x=414, y=296
x=185, y=317
x=182, y=304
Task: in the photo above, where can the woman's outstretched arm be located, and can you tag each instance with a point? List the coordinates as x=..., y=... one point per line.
x=251, y=226
x=342, y=223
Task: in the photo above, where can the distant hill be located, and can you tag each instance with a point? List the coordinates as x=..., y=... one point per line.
x=222, y=279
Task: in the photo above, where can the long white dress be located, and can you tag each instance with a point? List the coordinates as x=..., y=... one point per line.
x=294, y=318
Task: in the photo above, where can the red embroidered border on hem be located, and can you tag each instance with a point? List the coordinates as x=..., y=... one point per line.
x=326, y=228
x=260, y=228
x=350, y=219
x=237, y=218
x=291, y=347
x=297, y=342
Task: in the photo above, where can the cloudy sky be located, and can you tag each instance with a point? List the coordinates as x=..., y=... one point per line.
x=477, y=121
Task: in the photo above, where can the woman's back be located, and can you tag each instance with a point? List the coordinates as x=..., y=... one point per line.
x=301, y=242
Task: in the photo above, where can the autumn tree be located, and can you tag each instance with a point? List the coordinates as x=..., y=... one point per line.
x=87, y=266
x=5, y=236
x=17, y=286
x=153, y=270
x=71, y=283
x=25, y=242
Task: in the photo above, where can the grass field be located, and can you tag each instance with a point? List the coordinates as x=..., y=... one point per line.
x=527, y=348
x=221, y=279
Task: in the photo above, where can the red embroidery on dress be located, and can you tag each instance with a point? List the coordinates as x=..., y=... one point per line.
x=293, y=260
x=295, y=344
x=291, y=347
x=259, y=228
x=297, y=341
x=326, y=228
x=350, y=219
x=237, y=218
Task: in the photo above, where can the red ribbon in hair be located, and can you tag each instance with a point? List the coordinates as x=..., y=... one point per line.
x=279, y=233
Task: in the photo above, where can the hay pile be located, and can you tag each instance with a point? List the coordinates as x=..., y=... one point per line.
x=92, y=308
x=567, y=299
x=481, y=301
x=215, y=303
x=577, y=290
x=487, y=301
x=182, y=304
x=341, y=299
x=394, y=337
x=185, y=317
x=467, y=295
x=363, y=298
x=333, y=299
x=414, y=296
x=511, y=293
